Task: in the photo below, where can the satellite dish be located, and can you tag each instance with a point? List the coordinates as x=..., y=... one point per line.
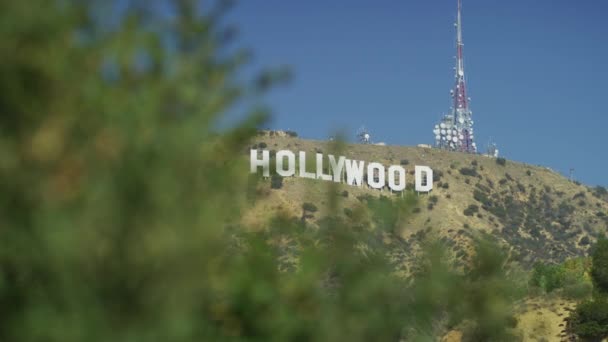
x=454, y=139
x=437, y=137
x=364, y=136
x=461, y=120
x=461, y=137
x=460, y=72
x=442, y=125
x=443, y=131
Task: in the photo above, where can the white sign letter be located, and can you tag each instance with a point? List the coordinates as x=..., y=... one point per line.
x=354, y=172
x=427, y=184
x=264, y=163
x=303, y=172
x=336, y=167
x=372, y=170
x=391, y=178
x=291, y=163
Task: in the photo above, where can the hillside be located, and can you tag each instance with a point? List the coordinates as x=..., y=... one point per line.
x=534, y=212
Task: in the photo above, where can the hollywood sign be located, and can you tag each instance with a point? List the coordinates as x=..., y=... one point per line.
x=342, y=169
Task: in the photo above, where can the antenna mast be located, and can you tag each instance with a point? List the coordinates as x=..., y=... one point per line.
x=455, y=131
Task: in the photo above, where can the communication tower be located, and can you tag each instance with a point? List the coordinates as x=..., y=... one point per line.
x=455, y=130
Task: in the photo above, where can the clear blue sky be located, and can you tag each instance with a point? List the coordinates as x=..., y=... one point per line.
x=537, y=72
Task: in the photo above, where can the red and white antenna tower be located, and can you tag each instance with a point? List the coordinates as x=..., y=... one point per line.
x=455, y=131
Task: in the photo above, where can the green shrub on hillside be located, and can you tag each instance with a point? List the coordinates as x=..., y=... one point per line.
x=578, y=291
x=600, y=192
x=569, y=276
x=276, y=181
x=309, y=207
x=471, y=210
x=481, y=197
x=437, y=175
x=599, y=271
x=590, y=320
x=472, y=172
x=348, y=212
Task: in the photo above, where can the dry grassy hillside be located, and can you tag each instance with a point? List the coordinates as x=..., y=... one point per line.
x=537, y=214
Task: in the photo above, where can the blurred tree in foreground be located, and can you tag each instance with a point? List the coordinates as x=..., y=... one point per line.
x=113, y=187
x=599, y=271
x=590, y=320
x=115, y=192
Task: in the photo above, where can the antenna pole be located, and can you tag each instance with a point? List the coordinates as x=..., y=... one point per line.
x=459, y=43
x=571, y=175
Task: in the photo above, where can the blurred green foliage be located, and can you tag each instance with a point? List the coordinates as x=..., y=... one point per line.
x=547, y=277
x=388, y=213
x=570, y=277
x=590, y=320
x=120, y=202
x=599, y=271
x=114, y=187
